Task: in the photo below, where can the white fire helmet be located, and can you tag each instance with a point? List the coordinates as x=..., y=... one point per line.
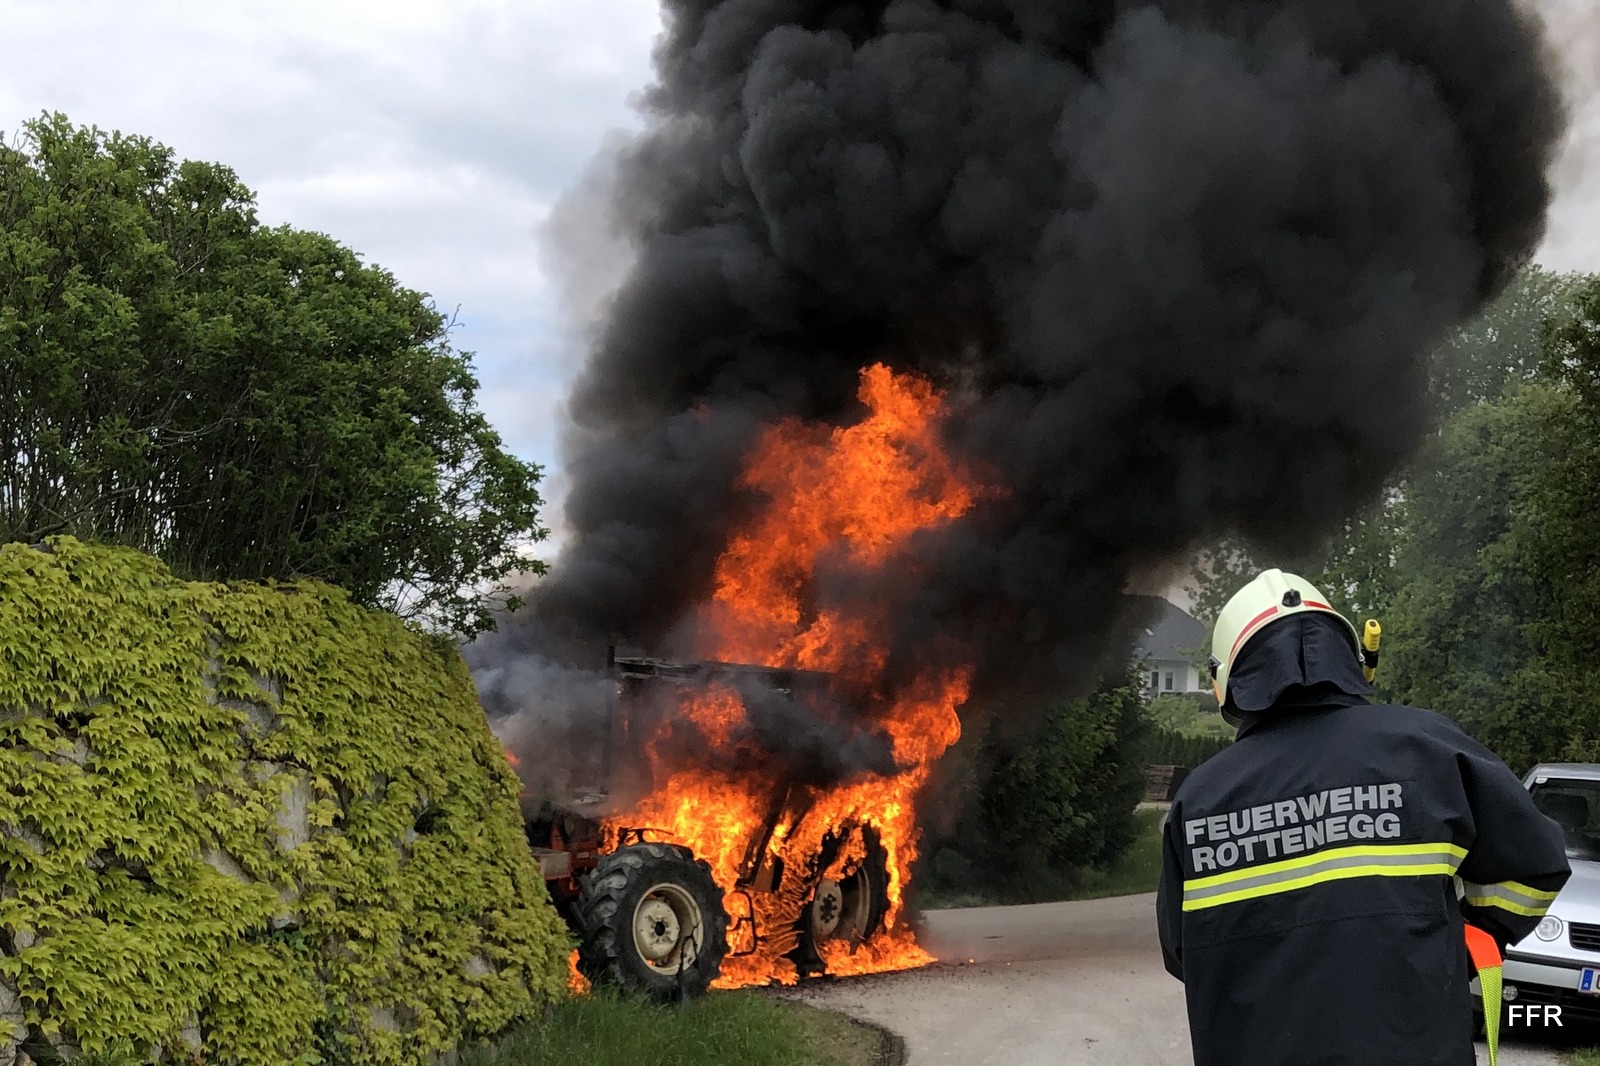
x=1271, y=597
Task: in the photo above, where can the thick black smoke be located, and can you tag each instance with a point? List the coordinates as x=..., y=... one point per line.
x=570, y=727
x=1179, y=263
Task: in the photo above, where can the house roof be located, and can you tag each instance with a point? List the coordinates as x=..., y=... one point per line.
x=1169, y=632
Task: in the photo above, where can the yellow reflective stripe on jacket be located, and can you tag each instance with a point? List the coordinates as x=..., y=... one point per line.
x=1511, y=896
x=1331, y=864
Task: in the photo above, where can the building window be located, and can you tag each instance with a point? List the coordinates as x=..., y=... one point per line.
x=1169, y=680
x=1155, y=679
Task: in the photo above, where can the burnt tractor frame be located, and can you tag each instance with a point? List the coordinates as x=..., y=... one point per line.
x=647, y=912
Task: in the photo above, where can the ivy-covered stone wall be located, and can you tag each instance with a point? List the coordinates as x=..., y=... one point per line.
x=252, y=825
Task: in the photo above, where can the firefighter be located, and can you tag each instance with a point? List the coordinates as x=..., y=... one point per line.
x=1316, y=873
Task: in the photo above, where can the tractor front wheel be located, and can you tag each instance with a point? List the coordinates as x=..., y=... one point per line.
x=651, y=919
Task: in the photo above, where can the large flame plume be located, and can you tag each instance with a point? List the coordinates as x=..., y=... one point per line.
x=854, y=497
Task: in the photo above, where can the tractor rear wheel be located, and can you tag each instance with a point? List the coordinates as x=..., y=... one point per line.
x=851, y=909
x=651, y=919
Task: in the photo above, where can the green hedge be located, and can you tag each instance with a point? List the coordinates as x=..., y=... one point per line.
x=1170, y=748
x=253, y=825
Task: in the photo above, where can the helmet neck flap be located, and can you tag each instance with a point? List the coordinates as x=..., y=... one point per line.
x=1305, y=660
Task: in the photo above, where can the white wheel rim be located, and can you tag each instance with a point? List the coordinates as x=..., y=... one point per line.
x=841, y=909
x=827, y=909
x=666, y=928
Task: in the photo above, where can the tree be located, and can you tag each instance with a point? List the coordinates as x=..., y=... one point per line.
x=1484, y=560
x=1045, y=803
x=244, y=402
x=1355, y=565
x=1219, y=572
x=1497, y=623
x=1503, y=346
x=1483, y=627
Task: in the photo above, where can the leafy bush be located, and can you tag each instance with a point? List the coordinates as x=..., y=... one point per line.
x=1044, y=808
x=209, y=800
x=1193, y=714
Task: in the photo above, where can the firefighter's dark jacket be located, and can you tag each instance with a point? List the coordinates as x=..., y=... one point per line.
x=1316, y=873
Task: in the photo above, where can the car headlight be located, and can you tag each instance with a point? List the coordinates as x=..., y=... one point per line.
x=1550, y=928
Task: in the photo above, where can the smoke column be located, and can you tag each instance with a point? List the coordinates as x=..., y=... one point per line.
x=1178, y=264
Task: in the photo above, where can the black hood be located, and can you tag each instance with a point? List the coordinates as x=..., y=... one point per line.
x=1309, y=660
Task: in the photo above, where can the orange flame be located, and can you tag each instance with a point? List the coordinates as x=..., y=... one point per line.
x=577, y=984
x=852, y=499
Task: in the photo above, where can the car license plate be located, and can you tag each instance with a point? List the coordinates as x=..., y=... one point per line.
x=1589, y=981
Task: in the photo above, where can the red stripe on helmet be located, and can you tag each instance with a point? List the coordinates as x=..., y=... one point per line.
x=1248, y=629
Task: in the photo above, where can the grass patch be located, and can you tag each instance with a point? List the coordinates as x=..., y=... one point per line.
x=1583, y=1057
x=834, y=1040
x=744, y=1028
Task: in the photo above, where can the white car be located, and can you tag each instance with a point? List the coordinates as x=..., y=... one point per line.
x=1558, y=964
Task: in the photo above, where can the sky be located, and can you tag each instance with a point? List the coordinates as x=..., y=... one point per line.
x=436, y=136
x=432, y=137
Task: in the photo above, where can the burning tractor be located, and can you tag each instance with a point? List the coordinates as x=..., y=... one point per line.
x=758, y=824
x=774, y=883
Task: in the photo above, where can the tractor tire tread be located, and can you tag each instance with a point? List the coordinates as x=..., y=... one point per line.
x=604, y=954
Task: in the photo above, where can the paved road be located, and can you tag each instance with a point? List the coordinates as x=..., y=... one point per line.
x=1059, y=984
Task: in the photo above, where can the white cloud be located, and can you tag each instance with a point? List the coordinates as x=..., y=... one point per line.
x=467, y=227
x=432, y=136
